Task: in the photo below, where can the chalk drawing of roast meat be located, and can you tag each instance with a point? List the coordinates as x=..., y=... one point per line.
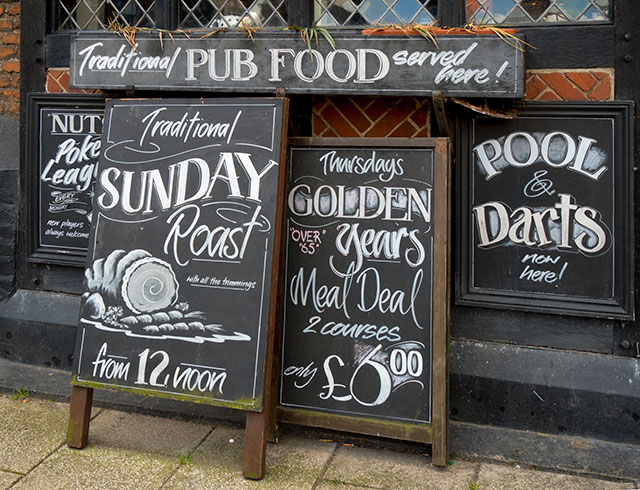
x=137, y=294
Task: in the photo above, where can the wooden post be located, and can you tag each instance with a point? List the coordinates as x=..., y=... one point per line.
x=79, y=417
x=255, y=445
x=440, y=418
x=260, y=425
x=274, y=382
x=441, y=115
x=272, y=422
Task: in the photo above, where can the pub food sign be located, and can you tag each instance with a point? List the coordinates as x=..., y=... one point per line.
x=458, y=66
x=177, y=285
x=546, y=211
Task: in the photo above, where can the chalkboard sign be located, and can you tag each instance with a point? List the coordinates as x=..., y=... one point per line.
x=64, y=145
x=546, y=210
x=178, y=281
x=365, y=295
x=458, y=65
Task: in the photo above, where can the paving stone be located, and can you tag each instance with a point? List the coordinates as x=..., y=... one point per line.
x=7, y=479
x=498, y=477
x=124, y=451
x=100, y=467
x=376, y=468
x=145, y=433
x=30, y=431
x=294, y=463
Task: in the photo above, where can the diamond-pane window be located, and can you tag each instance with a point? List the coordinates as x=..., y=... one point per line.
x=226, y=14
x=537, y=11
x=95, y=14
x=346, y=13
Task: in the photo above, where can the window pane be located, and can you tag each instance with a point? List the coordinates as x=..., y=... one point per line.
x=345, y=13
x=225, y=14
x=96, y=14
x=536, y=11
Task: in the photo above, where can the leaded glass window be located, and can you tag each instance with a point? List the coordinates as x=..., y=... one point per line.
x=537, y=11
x=96, y=14
x=345, y=13
x=221, y=14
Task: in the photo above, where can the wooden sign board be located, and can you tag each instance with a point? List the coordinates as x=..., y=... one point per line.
x=64, y=145
x=366, y=294
x=182, y=276
x=546, y=208
x=458, y=66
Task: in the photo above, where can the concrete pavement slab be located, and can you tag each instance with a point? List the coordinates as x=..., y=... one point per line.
x=377, y=468
x=7, y=478
x=30, y=430
x=498, y=477
x=146, y=433
x=294, y=463
x=100, y=467
x=124, y=451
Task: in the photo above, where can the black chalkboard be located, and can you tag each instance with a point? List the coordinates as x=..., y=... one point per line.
x=178, y=280
x=64, y=136
x=546, y=209
x=458, y=65
x=365, y=293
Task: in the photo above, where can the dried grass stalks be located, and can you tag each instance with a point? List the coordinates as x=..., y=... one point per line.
x=425, y=30
x=311, y=35
x=430, y=32
x=129, y=32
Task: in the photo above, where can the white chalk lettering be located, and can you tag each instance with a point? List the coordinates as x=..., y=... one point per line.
x=109, y=367
x=565, y=226
x=522, y=149
x=170, y=187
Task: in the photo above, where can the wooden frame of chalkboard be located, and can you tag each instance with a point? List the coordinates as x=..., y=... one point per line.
x=545, y=215
x=63, y=134
x=431, y=156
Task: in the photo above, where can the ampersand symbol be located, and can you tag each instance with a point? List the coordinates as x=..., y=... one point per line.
x=538, y=186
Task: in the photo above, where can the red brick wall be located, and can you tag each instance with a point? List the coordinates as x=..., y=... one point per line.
x=583, y=84
x=58, y=82
x=371, y=117
x=9, y=58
